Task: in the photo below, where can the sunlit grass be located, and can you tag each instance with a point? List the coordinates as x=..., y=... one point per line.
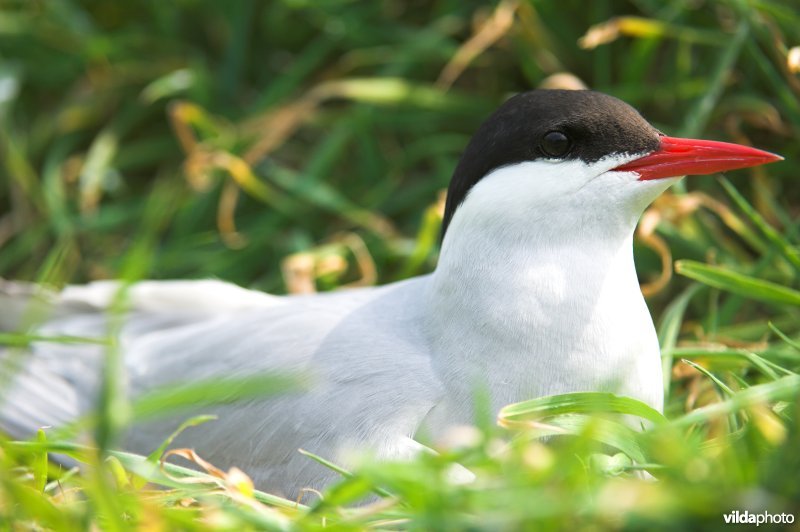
x=293, y=146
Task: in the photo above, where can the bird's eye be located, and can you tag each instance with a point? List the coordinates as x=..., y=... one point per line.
x=555, y=144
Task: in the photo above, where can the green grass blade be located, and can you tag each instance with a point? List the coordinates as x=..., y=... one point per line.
x=209, y=392
x=783, y=336
x=700, y=113
x=738, y=283
x=669, y=329
x=606, y=431
x=776, y=239
x=194, y=421
x=40, y=463
x=784, y=389
x=578, y=403
x=721, y=385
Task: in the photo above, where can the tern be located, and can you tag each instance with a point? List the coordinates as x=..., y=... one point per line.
x=535, y=293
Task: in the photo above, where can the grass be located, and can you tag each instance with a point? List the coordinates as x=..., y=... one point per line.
x=288, y=145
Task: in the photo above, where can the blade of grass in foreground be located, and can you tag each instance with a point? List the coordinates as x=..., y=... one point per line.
x=578, y=403
x=783, y=389
x=210, y=392
x=25, y=340
x=783, y=336
x=40, y=463
x=670, y=328
x=586, y=427
x=194, y=421
x=738, y=283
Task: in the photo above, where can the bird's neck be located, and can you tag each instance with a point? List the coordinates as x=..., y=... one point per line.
x=535, y=311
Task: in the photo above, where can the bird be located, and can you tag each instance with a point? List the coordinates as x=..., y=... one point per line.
x=535, y=293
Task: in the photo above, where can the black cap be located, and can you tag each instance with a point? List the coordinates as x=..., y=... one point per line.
x=549, y=124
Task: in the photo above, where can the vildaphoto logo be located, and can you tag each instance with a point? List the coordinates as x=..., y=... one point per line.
x=764, y=518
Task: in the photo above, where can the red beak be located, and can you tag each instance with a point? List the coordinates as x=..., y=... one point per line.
x=678, y=157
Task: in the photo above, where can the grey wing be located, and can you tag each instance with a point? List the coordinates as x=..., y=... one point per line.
x=371, y=383
x=50, y=383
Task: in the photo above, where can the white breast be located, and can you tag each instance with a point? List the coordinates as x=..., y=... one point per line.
x=537, y=294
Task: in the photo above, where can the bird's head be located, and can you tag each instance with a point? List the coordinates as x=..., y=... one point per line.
x=565, y=160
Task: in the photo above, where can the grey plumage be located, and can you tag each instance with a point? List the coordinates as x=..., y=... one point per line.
x=535, y=293
x=184, y=332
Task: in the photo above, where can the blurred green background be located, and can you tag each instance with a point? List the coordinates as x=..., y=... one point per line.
x=304, y=145
x=272, y=128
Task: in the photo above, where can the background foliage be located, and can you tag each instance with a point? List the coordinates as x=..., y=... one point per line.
x=296, y=145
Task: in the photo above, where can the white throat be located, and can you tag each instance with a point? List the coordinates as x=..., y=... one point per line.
x=536, y=291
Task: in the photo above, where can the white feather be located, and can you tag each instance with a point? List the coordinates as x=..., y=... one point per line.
x=536, y=291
